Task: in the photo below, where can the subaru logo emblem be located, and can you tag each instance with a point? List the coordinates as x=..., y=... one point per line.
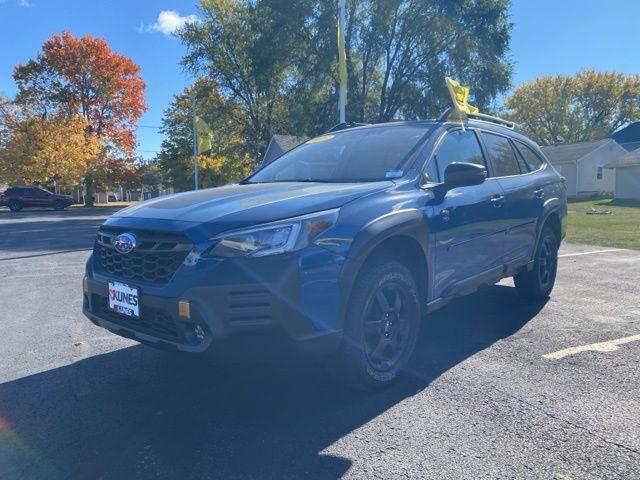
x=125, y=243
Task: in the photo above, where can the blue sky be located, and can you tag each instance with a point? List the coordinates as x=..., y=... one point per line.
x=549, y=37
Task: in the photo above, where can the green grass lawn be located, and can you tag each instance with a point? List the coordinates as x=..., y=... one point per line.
x=621, y=229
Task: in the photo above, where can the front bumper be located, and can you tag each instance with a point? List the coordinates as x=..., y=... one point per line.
x=294, y=298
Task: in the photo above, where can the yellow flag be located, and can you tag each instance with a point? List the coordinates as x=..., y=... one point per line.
x=204, y=135
x=342, y=56
x=460, y=95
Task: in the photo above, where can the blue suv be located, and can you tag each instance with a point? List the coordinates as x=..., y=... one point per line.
x=341, y=245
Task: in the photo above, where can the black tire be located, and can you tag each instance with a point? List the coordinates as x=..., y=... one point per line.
x=538, y=283
x=381, y=328
x=15, y=205
x=59, y=205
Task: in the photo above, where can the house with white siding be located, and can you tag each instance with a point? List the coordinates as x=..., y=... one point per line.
x=627, y=167
x=601, y=167
x=584, y=166
x=627, y=173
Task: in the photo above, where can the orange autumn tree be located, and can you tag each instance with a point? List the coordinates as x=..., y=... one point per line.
x=83, y=76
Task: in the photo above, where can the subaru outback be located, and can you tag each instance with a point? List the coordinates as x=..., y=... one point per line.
x=341, y=245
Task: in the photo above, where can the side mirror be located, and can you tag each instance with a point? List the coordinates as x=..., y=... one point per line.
x=464, y=175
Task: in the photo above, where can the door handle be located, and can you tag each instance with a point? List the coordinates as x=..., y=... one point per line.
x=539, y=192
x=497, y=200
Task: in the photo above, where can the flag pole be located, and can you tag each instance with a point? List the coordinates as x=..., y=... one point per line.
x=342, y=100
x=195, y=136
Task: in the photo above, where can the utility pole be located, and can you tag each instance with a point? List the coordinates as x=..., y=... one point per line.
x=342, y=66
x=195, y=136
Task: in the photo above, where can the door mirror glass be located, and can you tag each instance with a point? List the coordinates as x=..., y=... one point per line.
x=460, y=174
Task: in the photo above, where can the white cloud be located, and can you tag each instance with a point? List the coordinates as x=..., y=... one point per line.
x=168, y=22
x=21, y=3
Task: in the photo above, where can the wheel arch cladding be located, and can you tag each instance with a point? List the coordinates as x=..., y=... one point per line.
x=402, y=235
x=406, y=250
x=553, y=221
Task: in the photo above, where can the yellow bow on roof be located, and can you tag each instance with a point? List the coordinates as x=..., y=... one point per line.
x=460, y=95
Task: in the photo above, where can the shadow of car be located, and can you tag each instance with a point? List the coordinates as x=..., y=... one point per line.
x=137, y=413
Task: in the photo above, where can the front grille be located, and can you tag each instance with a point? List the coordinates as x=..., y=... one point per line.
x=155, y=259
x=152, y=321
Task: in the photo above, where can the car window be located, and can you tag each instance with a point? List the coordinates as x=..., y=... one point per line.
x=431, y=174
x=458, y=146
x=503, y=157
x=370, y=154
x=530, y=157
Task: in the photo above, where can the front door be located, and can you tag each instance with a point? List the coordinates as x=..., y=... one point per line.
x=469, y=232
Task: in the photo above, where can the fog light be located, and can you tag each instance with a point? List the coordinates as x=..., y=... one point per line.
x=85, y=284
x=184, y=309
x=199, y=333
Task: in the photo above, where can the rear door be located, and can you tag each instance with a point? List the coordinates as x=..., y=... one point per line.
x=38, y=197
x=27, y=197
x=521, y=205
x=469, y=237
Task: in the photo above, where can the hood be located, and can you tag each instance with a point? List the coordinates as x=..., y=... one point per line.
x=235, y=206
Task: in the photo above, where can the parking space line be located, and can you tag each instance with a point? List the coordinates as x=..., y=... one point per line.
x=590, y=253
x=609, y=346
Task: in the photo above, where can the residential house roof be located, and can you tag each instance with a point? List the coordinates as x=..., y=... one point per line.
x=630, y=159
x=630, y=146
x=570, y=153
x=279, y=145
x=628, y=134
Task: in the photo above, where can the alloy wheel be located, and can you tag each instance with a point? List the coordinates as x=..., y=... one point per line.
x=386, y=327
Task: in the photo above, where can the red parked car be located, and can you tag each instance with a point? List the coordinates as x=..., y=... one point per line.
x=16, y=198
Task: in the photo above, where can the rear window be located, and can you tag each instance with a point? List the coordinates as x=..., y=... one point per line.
x=503, y=157
x=532, y=160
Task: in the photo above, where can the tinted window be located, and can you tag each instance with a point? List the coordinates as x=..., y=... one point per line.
x=368, y=154
x=458, y=146
x=533, y=161
x=502, y=155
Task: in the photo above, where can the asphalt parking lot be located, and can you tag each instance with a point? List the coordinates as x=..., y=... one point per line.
x=496, y=388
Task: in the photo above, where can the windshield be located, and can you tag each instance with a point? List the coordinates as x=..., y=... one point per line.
x=365, y=155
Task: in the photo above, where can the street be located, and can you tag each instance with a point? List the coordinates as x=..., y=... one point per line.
x=491, y=392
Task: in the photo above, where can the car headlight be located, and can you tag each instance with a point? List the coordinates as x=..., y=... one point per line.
x=274, y=238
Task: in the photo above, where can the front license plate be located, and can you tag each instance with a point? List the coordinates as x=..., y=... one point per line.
x=123, y=299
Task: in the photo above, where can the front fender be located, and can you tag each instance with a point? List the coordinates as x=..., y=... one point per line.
x=408, y=223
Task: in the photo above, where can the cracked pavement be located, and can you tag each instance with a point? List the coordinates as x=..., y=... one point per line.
x=478, y=400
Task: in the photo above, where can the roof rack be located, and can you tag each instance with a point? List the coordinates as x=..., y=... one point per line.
x=346, y=125
x=481, y=117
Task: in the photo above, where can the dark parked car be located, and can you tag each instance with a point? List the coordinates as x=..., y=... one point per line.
x=341, y=244
x=17, y=198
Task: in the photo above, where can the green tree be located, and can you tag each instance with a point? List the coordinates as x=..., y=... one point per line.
x=224, y=161
x=564, y=109
x=277, y=59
